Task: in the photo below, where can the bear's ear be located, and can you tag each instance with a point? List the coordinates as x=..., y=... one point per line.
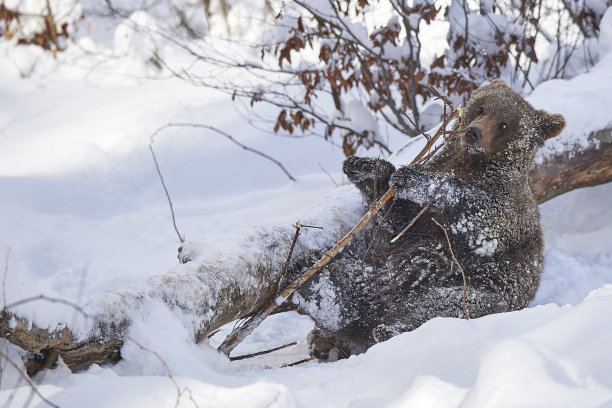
x=550, y=125
x=500, y=83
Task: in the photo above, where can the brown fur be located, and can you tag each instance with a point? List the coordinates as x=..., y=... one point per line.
x=488, y=209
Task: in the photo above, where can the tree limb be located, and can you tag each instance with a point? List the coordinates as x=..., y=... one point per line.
x=569, y=170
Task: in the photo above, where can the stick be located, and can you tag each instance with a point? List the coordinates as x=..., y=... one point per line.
x=435, y=193
x=161, y=178
x=231, y=138
x=6, y=268
x=432, y=140
x=168, y=372
x=260, y=353
x=239, y=334
x=428, y=145
x=281, y=281
x=465, y=311
x=48, y=299
x=27, y=379
x=298, y=227
x=300, y=362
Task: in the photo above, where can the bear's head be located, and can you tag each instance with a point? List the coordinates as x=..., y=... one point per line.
x=501, y=125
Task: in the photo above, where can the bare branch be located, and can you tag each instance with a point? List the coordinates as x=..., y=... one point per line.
x=229, y=137
x=261, y=353
x=450, y=247
x=28, y=380
x=161, y=178
x=161, y=360
x=6, y=268
x=425, y=207
x=283, y=275
x=45, y=298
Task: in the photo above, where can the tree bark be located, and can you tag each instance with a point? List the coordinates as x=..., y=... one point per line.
x=570, y=170
x=211, y=288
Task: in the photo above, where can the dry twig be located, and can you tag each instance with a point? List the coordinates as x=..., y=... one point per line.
x=230, y=138
x=465, y=311
x=431, y=141
x=161, y=178
x=27, y=379
x=281, y=280
x=260, y=353
x=300, y=362
x=48, y=299
x=425, y=207
x=179, y=392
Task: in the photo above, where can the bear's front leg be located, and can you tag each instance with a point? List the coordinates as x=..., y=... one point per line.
x=371, y=176
x=414, y=183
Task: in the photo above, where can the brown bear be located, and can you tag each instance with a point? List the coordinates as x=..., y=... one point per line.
x=378, y=289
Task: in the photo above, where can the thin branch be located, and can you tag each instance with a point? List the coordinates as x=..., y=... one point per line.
x=228, y=136
x=328, y=175
x=27, y=379
x=450, y=247
x=433, y=140
x=260, y=353
x=415, y=125
x=283, y=275
x=374, y=286
x=433, y=197
x=6, y=268
x=161, y=178
x=306, y=360
x=440, y=96
x=179, y=393
x=46, y=298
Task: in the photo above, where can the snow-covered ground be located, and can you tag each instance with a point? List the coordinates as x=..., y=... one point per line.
x=82, y=211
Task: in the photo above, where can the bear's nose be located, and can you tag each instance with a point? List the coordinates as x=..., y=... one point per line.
x=472, y=135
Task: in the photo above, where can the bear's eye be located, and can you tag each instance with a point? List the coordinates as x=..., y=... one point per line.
x=480, y=110
x=503, y=126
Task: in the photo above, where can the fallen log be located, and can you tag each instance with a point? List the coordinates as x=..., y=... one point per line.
x=570, y=169
x=217, y=281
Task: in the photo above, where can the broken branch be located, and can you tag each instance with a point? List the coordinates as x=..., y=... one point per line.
x=261, y=353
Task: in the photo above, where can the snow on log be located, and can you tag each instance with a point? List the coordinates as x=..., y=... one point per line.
x=219, y=279
x=571, y=169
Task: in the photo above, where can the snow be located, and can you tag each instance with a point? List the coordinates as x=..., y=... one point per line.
x=83, y=212
x=605, y=39
x=358, y=117
x=584, y=100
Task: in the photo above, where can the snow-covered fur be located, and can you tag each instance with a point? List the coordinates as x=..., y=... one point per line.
x=485, y=205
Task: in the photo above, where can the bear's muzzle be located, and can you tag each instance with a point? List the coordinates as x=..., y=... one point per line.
x=472, y=135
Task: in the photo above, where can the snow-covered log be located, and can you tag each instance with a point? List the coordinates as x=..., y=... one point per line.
x=571, y=169
x=219, y=279
x=224, y=278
